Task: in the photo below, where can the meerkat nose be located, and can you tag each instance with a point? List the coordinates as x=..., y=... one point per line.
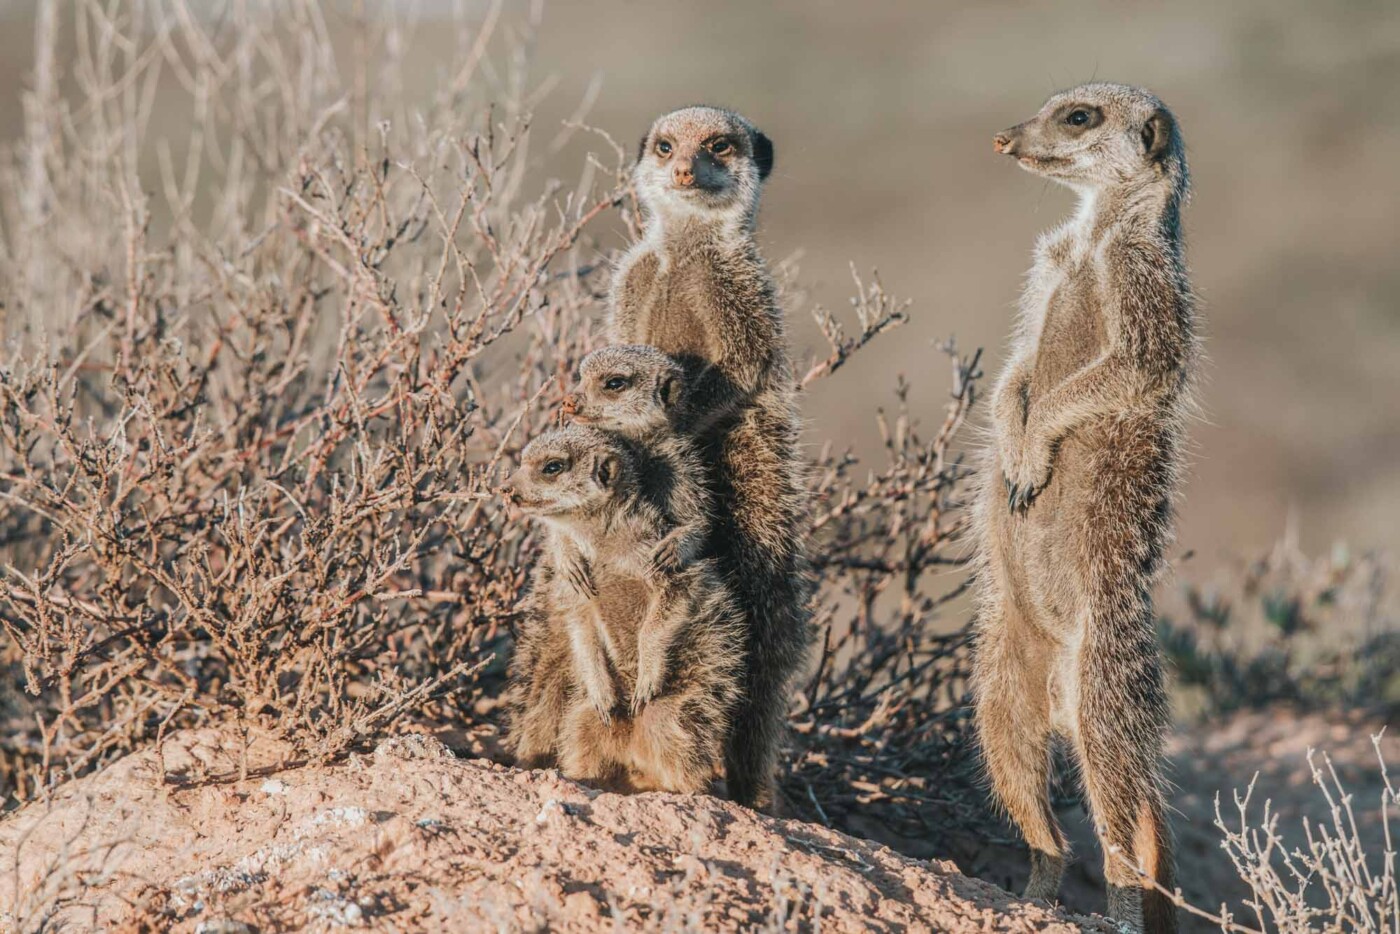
x=1004, y=143
x=570, y=404
x=684, y=175
x=507, y=492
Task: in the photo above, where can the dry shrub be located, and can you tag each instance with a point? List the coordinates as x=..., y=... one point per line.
x=263, y=378
x=1328, y=883
x=1287, y=626
x=246, y=462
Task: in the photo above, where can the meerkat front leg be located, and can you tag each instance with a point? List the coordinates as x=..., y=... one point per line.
x=1010, y=407
x=672, y=554
x=658, y=631
x=591, y=661
x=586, y=631
x=1102, y=387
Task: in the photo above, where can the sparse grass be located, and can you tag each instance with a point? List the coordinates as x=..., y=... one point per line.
x=1288, y=627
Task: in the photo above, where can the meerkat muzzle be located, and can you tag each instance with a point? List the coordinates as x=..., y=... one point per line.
x=570, y=405
x=1004, y=143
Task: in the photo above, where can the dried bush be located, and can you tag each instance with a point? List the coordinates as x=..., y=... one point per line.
x=262, y=379
x=1329, y=883
x=246, y=461
x=1313, y=631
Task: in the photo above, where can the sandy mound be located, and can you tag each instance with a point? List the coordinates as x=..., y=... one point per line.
x=413, y=839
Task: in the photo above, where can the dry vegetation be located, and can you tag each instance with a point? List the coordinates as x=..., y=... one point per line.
x=1287, y=627
x=260, y=379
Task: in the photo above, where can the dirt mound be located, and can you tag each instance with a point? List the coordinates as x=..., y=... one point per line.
x=412, y=838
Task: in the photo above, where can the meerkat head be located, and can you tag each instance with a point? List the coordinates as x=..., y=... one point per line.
x=701, y=160
x=569, y=472
x=1096, y=136
x=630, y=388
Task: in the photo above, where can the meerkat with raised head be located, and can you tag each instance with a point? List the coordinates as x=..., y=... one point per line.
x=695, y=287
x=1076, y=498
x=591, y=488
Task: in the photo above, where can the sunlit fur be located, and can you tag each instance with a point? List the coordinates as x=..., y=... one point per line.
x=696, y=287
x=626, y=667
x=1076, y=498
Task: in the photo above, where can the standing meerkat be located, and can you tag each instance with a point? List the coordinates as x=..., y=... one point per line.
x=1076, y=498
x=696, y=288
x=666, y=642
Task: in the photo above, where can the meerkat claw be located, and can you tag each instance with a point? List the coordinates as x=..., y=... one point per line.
x=666, y=560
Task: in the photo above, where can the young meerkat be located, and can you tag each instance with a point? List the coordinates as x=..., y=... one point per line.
x=668, y=643
x=1076, y=498
x=643, y=394
x=695, y=287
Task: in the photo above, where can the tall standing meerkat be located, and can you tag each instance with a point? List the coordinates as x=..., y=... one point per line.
x=696, y=287
x=652, y=653
x=1076, y=499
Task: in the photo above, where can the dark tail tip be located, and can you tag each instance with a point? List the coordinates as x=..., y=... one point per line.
x=1158, y=913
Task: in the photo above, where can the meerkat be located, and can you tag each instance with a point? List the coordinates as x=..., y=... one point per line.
x=695, y=287
x=1077, y=494
x=591, y=488
x=643, y=394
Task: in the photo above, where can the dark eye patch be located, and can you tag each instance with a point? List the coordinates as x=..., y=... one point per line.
x=553, y=467
x=615, y=383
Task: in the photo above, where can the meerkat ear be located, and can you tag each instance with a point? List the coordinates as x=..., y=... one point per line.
x=669, y=390
x=1157, y=135
x=606, y=468
x=762, y=153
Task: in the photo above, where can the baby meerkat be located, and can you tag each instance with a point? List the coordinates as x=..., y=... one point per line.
x=590, y=488
x=695, y=287
x=1077, y=495
x=642, y=394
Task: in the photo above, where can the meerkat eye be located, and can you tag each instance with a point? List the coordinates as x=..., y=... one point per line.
x=1077, y=117
x=615, y=383
x=663, y=147
x=721, y=146
x=553, y=467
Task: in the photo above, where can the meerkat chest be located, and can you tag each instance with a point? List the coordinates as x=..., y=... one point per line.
x=687, y=315
x=1072, y=329
x=623, y=602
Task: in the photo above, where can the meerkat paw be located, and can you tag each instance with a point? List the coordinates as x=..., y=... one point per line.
x=580, y=578
x=602, y=699
x=666, y=559
x=1026, y=478
x=649, y=679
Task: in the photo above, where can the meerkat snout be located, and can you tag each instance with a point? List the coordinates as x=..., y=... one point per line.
x=683, y=174
x=1004, y=142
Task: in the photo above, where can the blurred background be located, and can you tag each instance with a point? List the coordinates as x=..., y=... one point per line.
x=882, y=114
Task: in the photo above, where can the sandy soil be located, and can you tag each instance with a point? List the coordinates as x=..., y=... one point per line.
x=413, y=839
